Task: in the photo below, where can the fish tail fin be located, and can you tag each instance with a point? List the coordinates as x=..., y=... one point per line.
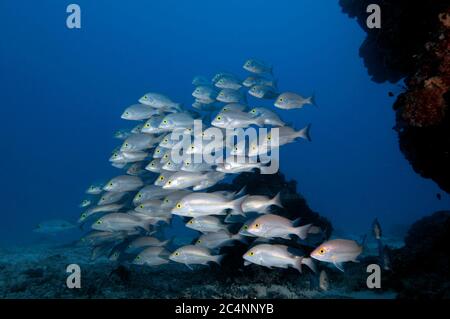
x=304, y=133
x=241, y=192
x=236, y=205
x=239, y=237
x=298, y=263
x=310, y=263
x=312, y=100
x=218, y=259
x=277, y=200
x=302, y=231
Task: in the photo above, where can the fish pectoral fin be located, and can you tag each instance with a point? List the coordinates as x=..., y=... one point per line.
x=339, y=266
x=247, y=263
x=187, y=265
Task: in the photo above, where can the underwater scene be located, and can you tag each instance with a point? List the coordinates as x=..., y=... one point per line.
x=225, y=149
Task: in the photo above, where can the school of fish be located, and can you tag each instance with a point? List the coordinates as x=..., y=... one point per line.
x=128, y=213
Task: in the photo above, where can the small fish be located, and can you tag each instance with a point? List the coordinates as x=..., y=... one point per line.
x=127, y=157
x=288, y=101
x=53, y=226
x=338, y=251
x=376, y=229
x=120, y=222
x=150, y=192
x=189, y=166
x=233, y=120
x=258, y=80
x=278, y=256
x=148, y=206
x=217, y=239
x=123, y=183
x=99, y=209
x=171, y=199
x=268, y=117
x=158, y=101
x=238, y=164
x=139, y=142
x=263, y=92
x=95, y=189
x=172, y=166
x=122, y=134
x=85, y=203
x=205, y=93
x=152, y=256
x=206, y=224
x=234, y=107
x=274, y=226
x=176, y=120
x=194, y=255
x=145, y=241
x=137, y=112
x=136, y=169
x=137, y=129
x=228, y=82
x=230, y=96
x=110, y=198
x=200, y=80
x=201, y=204
x=260, y=204
x=182, y=180
x=257, y=67
x=95, y=237
x=324, y=282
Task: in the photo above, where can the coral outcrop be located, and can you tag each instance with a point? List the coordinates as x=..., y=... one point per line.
x=413, y=43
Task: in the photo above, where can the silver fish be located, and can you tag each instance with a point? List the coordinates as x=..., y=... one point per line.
x=200, y=204
x=150, y=192
x=85, y=203
x=257, y=67
x=191, y=255
x=263, y=92
x=139, y=142
x=110, y=198
x=217, y=239
x=200, y=80
x=260, y=204
x=258, y=80
x=162, y=178
x=206, y=224
x=154, y=166
x=268, y=117
x=228, y=82
x=123, y=183
x=235, y=120
x=120, y=222
x=337, y=251
x=230, y=96
x=152, y=256
x=205, y=93
x=53, y=226
x=176, y=120
x=276, y=256
x=100, y=209
x=274, y=226
x=145, y=241
x=158, y=101
x=137, y=112
x=289, y=100
x=95, y=189
x=234, y=107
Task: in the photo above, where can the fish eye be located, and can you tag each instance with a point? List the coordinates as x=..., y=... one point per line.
x=111, y=184
x=166, y=156
x=191, y=222
x=177, y=254
x=139, y=195
x=141, y=206
x=253, y=147
x=178, y=205
x=225, y=109
x=169, y=182
x=152, y=164
x=251, y=253
x=138, y=257
x=102, y=199
x=221, y=94
x=189, y=129
x=192, y=147
x=219, y=118
x=281, y=99
x=256, y=225
x=165, y=121
x=115, y=155
x=253, y=111
x=166, y=200
x=158, y=151
x=199, y=241
x=99, y=222
x=245, y=227
x=187, y=163
x=161, y=178
x=145, y=97
x=322, y=251
x=126, y=113
x=166, y=140
x=83, y=215
x=236, y=148
x=269, y=137
x=168, y=163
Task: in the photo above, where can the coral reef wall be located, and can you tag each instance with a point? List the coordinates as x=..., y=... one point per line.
x=413, y=43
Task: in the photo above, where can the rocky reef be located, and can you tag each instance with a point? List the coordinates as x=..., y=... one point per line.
x=413, y=43
x=420, y=269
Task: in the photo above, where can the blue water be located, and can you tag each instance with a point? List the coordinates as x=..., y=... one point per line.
x=62, y=92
